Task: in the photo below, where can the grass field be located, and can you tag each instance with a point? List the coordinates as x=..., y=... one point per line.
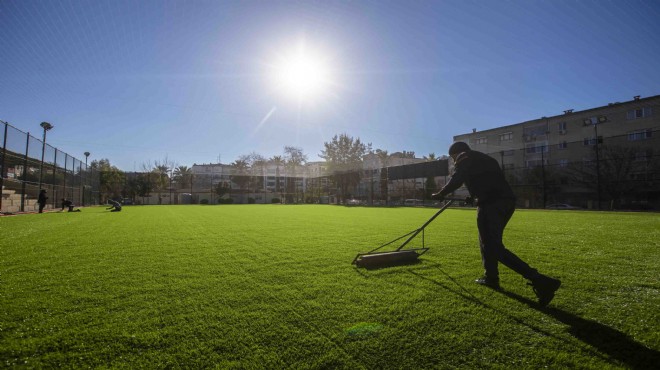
x=271, y=286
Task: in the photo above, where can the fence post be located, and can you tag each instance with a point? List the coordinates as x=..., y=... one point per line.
x=2, y=163
x=25, y=164
x=54, y=186
x=66, y=159
x=597, y=164
x=82, y=185
x=543, y=175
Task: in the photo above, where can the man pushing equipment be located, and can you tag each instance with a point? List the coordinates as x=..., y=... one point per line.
x=496, y=203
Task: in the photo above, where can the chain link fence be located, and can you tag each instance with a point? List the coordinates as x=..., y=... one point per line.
x=27, y=164
x=608, y=173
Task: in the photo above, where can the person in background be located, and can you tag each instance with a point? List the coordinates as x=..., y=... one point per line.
x=496, y=203
x=114, y=206
x=68, y=204
x=41, y=201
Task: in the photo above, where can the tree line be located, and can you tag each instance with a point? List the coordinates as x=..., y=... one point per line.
x=343, y=155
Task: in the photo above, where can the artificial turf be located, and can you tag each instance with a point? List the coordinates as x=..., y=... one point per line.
x=272, y=286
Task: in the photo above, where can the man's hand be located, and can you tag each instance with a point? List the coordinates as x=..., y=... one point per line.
x=438, y=196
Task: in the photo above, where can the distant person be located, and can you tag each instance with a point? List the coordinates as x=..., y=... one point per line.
x=496, y=203
x=41, y=201
x=114, y=206
x=68, y=204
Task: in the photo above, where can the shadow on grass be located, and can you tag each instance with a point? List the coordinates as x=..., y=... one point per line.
x=607, y=340
x=610, y=344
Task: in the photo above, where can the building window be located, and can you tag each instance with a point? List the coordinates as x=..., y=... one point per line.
x=640, y=135
x=639, y=113
x=530, y=133
x=507, y=153
x=562, y=145
x=506, y=136
x=563, y=163
x=481, y=140
x=536, y=148
x=562, y=128
x=508, y=166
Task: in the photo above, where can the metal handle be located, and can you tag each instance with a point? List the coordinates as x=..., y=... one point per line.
x=449, y=202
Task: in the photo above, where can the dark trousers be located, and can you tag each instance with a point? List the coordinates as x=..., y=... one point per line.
x=491, y=221
x=41, y=207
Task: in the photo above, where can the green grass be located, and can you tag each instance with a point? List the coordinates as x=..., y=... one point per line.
x=257, y=286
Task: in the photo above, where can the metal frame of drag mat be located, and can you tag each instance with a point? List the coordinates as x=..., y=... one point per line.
x=374, y=259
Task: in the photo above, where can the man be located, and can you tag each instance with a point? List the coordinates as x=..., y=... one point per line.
x=41, y=201
x=496, y=202
x=114, y=206
x=68, y=204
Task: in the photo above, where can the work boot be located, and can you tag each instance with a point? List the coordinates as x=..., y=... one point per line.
x=545, y=287
x=489, y=282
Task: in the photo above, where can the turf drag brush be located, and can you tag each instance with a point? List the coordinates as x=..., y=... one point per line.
x=374, y=259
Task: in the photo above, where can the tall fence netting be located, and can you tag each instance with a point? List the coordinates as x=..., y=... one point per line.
x=28, y=165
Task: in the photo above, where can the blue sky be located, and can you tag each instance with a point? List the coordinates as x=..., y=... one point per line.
x=191, y=81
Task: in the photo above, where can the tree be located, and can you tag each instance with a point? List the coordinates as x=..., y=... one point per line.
x=111, y=179
x=182, y=176
x=240, y=177
x=294, y=158
x=611, y=170
x=278, y=161
x=431, y=186
x=161, y=178
x=257, y=164
x=384, y=158
x=221, y=189
x=144, y=185
x=344, y=156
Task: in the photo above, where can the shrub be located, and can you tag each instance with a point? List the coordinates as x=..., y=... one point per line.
x=204, y=201
x=275, y=200
x=226, y=201
x=251, y=200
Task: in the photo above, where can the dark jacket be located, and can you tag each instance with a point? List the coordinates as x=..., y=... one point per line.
x=482, y=175
x=42, y=198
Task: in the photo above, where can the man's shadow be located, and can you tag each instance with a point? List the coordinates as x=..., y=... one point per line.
x=609, y=341
x=611, y=344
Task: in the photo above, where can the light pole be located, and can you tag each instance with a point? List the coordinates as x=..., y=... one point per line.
x=46, y=126
x=595, y=122
x=83, y=186
x=597, y=164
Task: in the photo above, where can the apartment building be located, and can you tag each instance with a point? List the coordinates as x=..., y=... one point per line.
x=298, y=184
x=559, y=145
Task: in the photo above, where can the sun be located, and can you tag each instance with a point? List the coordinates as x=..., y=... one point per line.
x=302, y=73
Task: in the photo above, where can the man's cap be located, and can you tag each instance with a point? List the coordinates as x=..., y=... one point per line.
x=458, y=147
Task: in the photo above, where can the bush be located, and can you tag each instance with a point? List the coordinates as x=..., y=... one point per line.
x=204, y=201
x=226, y=201
x=275, y=200
x=251, y=201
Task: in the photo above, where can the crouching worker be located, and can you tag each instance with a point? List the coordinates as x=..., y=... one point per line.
x=495, y=202
x=114, y=206
x=68, y=204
